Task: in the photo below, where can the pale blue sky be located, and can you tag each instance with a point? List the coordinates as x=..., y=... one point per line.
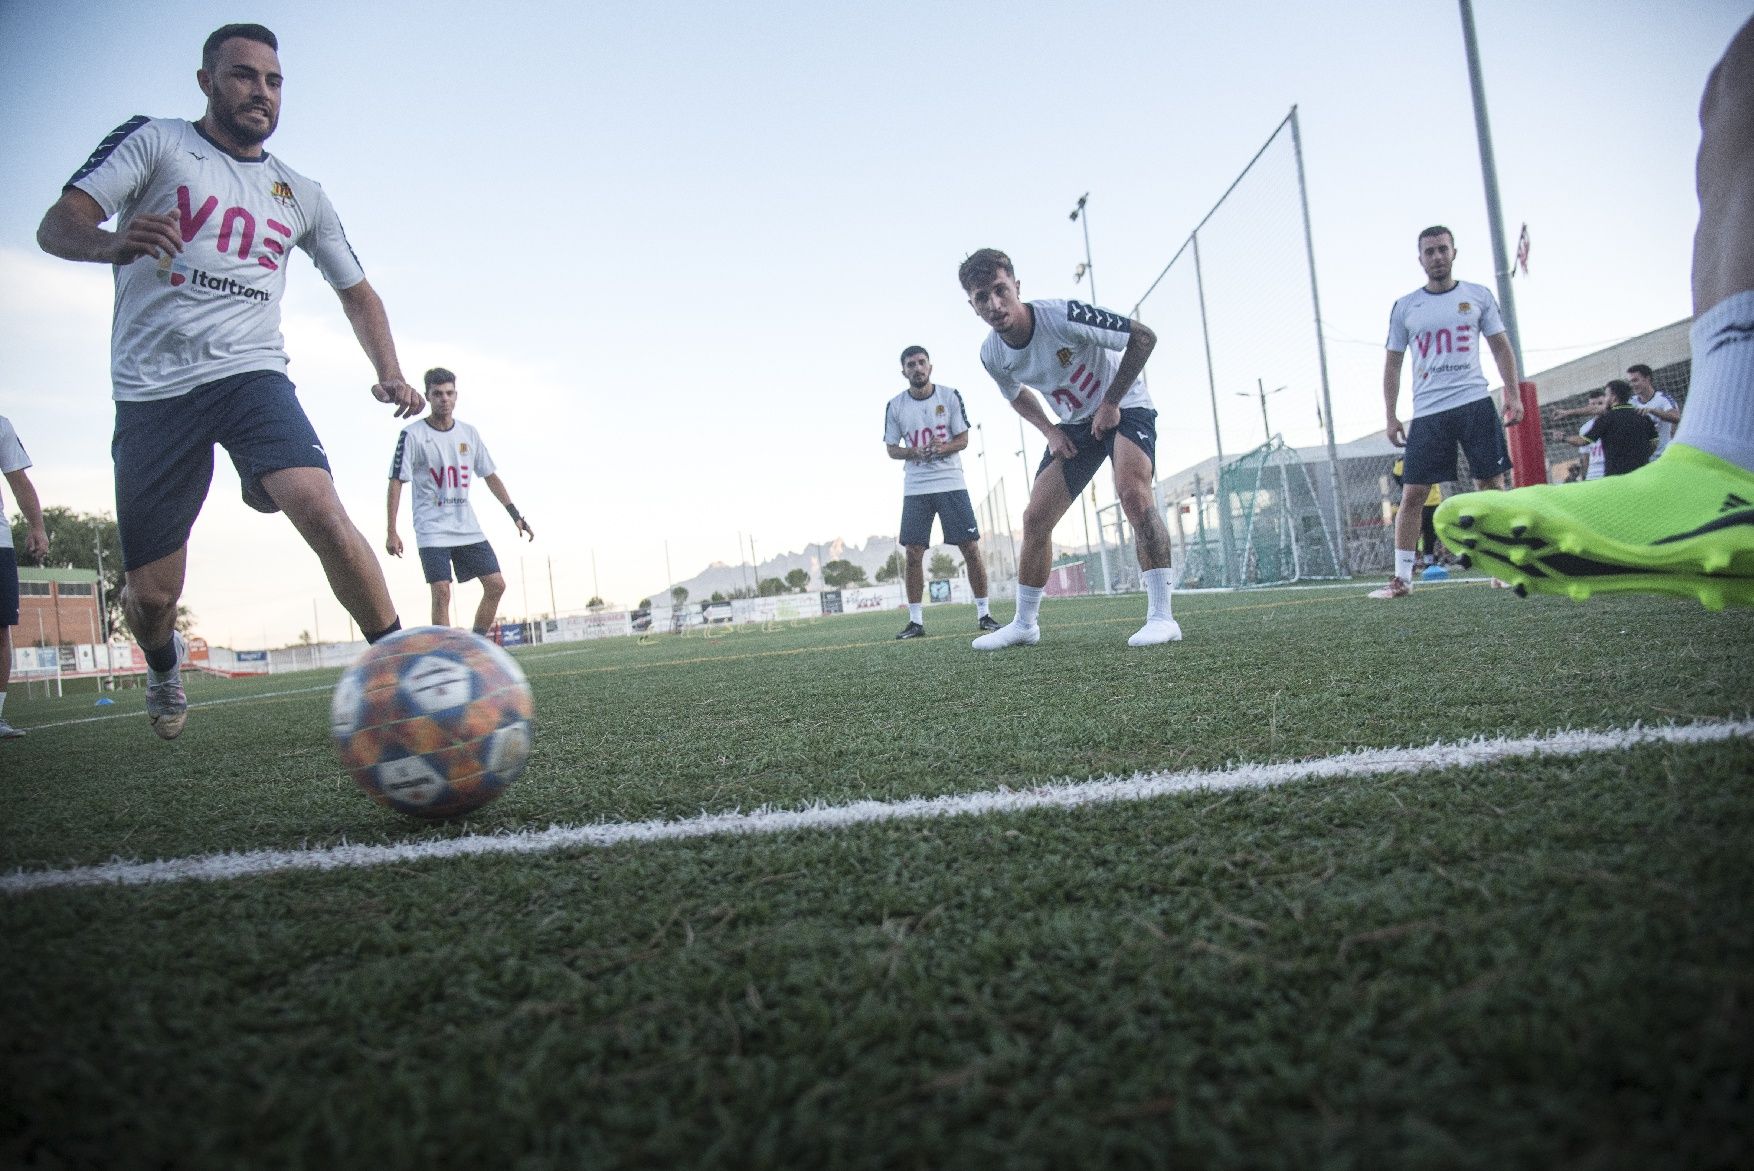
x=673, y=252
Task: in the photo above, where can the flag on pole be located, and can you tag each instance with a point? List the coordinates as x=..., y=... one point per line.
x=1522, y=251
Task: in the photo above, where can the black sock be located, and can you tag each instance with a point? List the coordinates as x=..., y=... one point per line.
x=481, y=632
x=164, y=658
x=386, y=632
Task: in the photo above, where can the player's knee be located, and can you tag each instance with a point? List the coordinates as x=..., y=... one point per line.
x=493, y=585
x=441, y=591
x=916, y=554
x=148, y=597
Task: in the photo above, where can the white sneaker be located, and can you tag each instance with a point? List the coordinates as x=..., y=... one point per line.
x=1009, y=634
x=166, y=704
x=1156, y=630
x=8, y=732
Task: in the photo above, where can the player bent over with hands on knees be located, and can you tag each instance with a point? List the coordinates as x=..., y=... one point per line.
x=1682, y=524
x=1442, y=323
x=927, y=426
x=207, y=219
x=1086, y=362
x=441, y=456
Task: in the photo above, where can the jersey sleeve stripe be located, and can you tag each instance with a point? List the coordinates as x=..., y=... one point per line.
x=962, y=407
x=106, y=148
x=396, y=460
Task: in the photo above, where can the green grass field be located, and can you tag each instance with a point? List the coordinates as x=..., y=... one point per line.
x=1543, y=962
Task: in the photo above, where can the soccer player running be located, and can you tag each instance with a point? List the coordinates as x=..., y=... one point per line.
x=207, y=223
x=442, y=456
x=926, y=426
x=1683, y=524
x=1443, y=323
x=13, y=461
x=1086, y=362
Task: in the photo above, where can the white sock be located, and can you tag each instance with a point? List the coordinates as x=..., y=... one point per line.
x=1404, y=564
x=1028, y=605
x=980, y=608
x=916, y=613
x=1156, y=593
x=2, y=702
x=1719, y=415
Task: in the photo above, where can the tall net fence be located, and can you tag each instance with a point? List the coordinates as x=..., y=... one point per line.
x=1235, y=310
x=998, y=544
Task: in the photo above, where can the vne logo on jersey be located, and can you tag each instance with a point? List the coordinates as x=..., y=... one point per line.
x=1082, y=314
x=237, y=224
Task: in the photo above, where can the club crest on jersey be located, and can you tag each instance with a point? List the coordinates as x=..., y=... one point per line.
x=282, y=191
x=1464, y=307
x=939, y=409
x=1064, y=354
x=462, y=449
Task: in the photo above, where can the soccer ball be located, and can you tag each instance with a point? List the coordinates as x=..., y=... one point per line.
x=433, y=722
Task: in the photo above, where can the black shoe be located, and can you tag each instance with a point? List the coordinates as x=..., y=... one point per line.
x=912, y=630
x=989, y=623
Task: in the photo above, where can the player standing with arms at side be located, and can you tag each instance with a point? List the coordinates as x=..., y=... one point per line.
x=927, y=426
x=207, y=221
x=13, y=461
x=1442, y=323
x=1683, y=524
x=441, y=456
x=1091, y=359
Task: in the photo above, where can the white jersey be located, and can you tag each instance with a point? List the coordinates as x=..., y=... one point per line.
x=910, y=421
x=12, y=459
x=442, y=465
x=1596, y=468
x=1665, y=429
x=214, y=309
x=1445, y=332
x=1070, y=359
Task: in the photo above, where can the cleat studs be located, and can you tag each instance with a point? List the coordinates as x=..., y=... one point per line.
x=1522, y=591
x=1470, y=543
x=1518, y=530
x=1464, y=521
x=1578, y=592
x=1570, y=544
x=1465, y=561
x=1712, y=598
x=1520, y=556
x=1715, y=562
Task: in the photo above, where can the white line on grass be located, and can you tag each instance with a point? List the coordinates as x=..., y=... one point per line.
x=1057, y=795
x=134, y=714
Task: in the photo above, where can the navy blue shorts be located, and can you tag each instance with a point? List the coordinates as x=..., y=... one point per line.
x=955, y=513
x=8, y=585
x=163, y=452
x=1432, y=441
x=472, y=561
x=1138, y=424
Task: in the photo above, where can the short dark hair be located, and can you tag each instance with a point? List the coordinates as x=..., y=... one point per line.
x=1620, y=389
x=438, y=376
x=1638, y=368
x=983, y=265
x=1437, y=230
x=911, y=351
x=225, y=32
x=1598, y=392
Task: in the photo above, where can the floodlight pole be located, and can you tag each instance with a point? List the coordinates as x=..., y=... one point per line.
x=1315, y=298
x=1489, y=176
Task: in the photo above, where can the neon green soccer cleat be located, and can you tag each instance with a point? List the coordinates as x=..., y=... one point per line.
x=1683, y=525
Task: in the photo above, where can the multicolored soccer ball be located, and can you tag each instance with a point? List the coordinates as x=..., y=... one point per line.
x=433, y=722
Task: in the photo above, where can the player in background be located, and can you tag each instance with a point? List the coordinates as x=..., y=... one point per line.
x=442, y=456
x=1683, y=524
x=1652, y=403
x=208, y=220
x=1442, y=322
x=13, y=461
x=926, y=426
x=1596, y=403
x=1086, y=362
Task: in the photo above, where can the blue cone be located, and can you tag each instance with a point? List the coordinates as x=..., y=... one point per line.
x=104, y=701
x=1434, y=573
